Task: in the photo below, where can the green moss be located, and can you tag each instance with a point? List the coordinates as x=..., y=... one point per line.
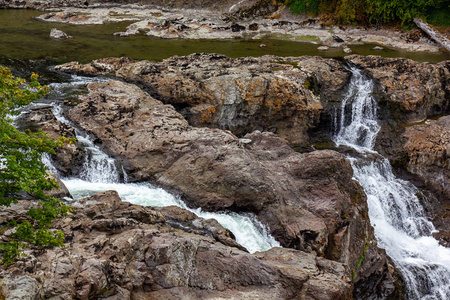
x=307, y=38
x=361, y=259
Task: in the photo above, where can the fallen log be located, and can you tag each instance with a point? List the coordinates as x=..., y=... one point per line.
x=436, y=36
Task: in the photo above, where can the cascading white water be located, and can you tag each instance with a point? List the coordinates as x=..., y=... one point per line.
x=100, y=173
x=394, y=208
x=97, y=165
x=248, y=231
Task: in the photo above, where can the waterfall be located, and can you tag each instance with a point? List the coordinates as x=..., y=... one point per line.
x=100, y=173
x=394, y=208
x=97, y=165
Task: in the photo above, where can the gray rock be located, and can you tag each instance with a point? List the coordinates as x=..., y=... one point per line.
x=347, y=50
x=58, y=34
x=323, y=48
x=149, y=259
x=23, y=287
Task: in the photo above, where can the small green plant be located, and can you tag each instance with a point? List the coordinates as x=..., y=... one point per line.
x=375, y=11
x=22, y=170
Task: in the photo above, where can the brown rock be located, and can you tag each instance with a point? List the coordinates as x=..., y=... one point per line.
x=150, y=260
x=212, y=90
x=309, y=201
x=410, y=91
x=427, y=147
x=69, y=157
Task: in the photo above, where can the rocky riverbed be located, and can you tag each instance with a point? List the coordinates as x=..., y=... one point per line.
x=249, y=19
x=236, y=135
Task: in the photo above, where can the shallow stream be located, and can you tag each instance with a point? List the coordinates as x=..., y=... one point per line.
x=25, y=38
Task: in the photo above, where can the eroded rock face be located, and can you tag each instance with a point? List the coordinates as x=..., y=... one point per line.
x=58, y=34
x=309, y=201
x=427, y=147
x=410, y=91
x=39, y=4
x=67, y=158
x=116, y=250
x=281, y=95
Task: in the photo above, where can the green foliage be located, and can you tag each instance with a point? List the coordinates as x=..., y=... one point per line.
x=310, y=7
x=21, y=168
x=375, y=11
x=440, y=17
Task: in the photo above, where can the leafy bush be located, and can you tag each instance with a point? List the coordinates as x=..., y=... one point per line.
x=22, y=170
x=375, y=11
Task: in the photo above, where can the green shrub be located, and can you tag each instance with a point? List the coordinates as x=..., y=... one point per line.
x=22, y=170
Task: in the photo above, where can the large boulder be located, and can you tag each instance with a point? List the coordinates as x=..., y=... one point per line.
x=68, y=158
x=309, y=201
x=116, y=250
x=281, y=95
x=426, y=148
x=408, y=90
x=52, y=4
x=424, y=151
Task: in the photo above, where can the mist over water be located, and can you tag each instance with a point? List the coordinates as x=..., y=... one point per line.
x=394, y=209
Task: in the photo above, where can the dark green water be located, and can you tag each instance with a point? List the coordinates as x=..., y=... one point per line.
x=24, y=38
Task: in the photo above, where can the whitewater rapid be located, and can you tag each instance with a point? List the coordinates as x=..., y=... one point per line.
x=101, y=172
x=395, y=212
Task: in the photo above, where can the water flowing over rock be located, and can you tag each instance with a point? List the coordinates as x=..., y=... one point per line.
x=309, y=201
x=270, y=93
x=116, y=250
x=401, y=226
x=410, y=93
x=410, y=90
x=68, y=158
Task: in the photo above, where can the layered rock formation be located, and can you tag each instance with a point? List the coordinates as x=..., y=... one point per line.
x=410, y=91
x=270, y=93
x=68, y=159
x=309, y=201
x=116, y=250
x=427, y=150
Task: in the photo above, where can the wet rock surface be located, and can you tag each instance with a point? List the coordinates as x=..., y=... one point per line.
x=281, y=95
x=410, y=91
x=116, y=250
x=309, y=201
x=68, y=159
x=189, y=19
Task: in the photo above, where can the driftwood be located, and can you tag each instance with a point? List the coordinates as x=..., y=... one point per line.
x=436, y=36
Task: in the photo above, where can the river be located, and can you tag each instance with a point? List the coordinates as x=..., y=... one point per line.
x=394, y=209
x=395, y=212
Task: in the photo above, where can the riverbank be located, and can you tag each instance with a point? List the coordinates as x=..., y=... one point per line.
x=252, y=20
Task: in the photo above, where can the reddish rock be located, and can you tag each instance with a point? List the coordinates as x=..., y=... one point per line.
x=116, y=250
x=410, y=91
x=309, y=201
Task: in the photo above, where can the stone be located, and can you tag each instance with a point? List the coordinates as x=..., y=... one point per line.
x=377, y=48
x=152, y=260
x=347, y=50
x=427, y=150
x=240, y=95
x=308, y=201
x=408, y=91
x=253, y=26
x=58, y=34
x=323, y=48
x=69, y=158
